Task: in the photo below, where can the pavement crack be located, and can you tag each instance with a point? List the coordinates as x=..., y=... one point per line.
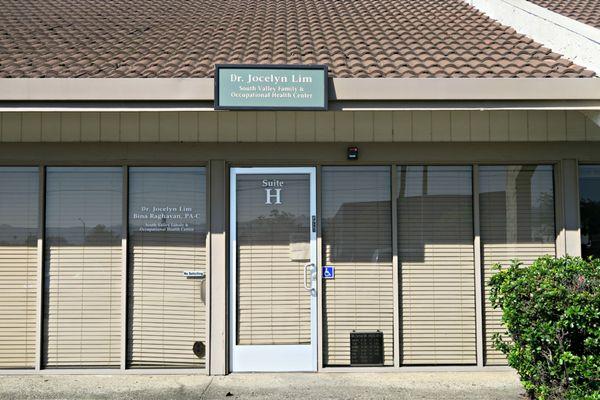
x=206, y=388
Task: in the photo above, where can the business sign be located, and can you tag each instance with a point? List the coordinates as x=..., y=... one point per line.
x=270, y=87
x=177, y=218
x=272, y=190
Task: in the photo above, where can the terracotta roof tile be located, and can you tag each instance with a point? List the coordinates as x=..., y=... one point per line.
x=586, y=11
x=186, y=38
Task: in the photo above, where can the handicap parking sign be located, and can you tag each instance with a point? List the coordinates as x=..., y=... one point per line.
x=328, y=272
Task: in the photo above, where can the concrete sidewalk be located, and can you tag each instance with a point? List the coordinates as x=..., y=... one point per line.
x=502, y=385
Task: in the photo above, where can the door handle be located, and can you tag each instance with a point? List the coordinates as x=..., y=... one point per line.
x=308, y=284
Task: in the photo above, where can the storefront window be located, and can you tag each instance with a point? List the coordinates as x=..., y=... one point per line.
x=19, y=199
x=517, y=222
x=357, y=243
x=437, y=266
x=83, y=264
x=589, y=203
x=167, y=238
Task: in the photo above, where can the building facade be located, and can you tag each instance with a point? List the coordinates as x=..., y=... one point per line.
x=144, y=231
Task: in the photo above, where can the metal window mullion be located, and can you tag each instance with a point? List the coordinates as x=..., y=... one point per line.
x=479, y=285
x=39, y=325
x=208, y=268
x=124, y=280
x=559, y=221
x=320, y=302
x=395, y=265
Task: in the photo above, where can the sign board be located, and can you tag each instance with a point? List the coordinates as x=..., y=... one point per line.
x=270, y=87
x=328, y=272
x=194, y=274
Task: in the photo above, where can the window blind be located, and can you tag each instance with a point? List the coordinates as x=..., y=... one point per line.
x=517, y=222
x=357, y=241
x=83, y=267
x=167, y=236
x=273, y=245
x=589, y=210
x=18, y=266
x=436, y=260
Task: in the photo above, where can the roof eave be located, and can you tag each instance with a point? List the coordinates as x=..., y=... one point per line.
x=341, y=89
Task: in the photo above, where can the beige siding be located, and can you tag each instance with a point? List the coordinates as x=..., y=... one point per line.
x=247, y=126
x=460, y=126
x=302, y=126
x=480, y=126
x=90, y=127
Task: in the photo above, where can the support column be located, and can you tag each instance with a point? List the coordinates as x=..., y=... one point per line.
x=218, y=312
x=569, y=186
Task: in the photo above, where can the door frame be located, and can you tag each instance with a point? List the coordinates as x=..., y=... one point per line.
x=264, y=358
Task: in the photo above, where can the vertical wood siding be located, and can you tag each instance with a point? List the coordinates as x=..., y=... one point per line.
x=302, y=126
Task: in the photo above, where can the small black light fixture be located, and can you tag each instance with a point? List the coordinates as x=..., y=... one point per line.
x=353, y=153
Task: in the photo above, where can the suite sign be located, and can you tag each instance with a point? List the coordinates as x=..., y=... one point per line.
x=270, y=87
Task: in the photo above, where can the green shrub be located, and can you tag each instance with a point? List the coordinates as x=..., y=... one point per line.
x=551, y=312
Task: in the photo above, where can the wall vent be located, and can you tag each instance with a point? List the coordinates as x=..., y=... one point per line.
x=366, y=348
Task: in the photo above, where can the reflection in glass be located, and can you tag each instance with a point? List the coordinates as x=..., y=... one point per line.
x=589, y=203
x=83, y=267
x=167, y=236
x=19, y=199
x=273, y=245
x=516, y=205
x=357, y=241
x=435, y=253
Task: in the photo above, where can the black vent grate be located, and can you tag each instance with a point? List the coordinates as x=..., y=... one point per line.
x=366, y=348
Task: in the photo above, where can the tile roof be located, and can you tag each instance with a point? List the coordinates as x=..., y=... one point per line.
x=586, y=11
x=185, y=38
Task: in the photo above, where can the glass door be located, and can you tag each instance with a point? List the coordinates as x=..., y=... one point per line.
x=273, y=303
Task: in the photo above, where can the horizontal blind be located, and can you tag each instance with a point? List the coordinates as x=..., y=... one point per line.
x=517, y=222
x=435, y=253
x=167, y=312
x=589, y=210
x=19, y=199
x=357, y=242
x=273, y=246
x=83, y=267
